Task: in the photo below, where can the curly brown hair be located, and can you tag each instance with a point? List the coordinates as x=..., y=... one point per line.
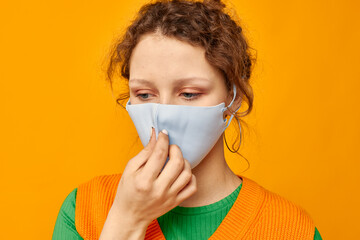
x=204, y=24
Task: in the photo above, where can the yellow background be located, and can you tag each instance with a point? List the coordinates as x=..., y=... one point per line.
x=60, y=125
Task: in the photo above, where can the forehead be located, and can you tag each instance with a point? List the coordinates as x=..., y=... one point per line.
x=157, y=57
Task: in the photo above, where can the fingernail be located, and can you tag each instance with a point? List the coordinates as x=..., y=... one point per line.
x=164, y=131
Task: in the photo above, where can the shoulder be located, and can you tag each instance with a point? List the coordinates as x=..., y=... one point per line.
x=285, y=207
x=270, y=201
x=65, y=222
x=101, y=180
x=287, y=217
x=93, y=202
x=69, y=201
x=67, y=208
x=97, y=188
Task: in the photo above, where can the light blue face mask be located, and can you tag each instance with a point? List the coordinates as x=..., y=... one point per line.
x=195, y=129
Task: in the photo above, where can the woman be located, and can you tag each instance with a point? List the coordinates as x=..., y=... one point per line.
x=187, y=66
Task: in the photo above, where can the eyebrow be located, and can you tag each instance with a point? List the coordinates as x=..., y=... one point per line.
x=178, y=81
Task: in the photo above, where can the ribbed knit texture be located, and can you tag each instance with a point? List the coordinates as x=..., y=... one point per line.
x=65, y=222
x=93, y=203
x=256, y=214
x=196, y=222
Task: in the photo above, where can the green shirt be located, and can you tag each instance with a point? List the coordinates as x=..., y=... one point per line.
x=186, y=222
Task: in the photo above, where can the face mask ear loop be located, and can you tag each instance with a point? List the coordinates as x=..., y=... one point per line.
x=234, y=88
x=232, y=115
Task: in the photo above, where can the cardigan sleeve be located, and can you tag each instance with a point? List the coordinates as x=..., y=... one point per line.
x=65, y=222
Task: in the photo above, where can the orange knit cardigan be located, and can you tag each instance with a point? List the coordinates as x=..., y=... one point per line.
x=256, y=214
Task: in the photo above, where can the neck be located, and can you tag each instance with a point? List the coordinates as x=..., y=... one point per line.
x=214, y=179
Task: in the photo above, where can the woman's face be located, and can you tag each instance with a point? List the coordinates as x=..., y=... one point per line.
x=168, y=71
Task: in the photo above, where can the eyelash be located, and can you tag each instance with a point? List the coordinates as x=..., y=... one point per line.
x=196, y=95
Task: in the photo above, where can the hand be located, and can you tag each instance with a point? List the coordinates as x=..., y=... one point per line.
x=145, y=192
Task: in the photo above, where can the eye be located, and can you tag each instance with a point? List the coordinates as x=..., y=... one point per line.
x=188, y=96
x=143, y=96
x=191, y=96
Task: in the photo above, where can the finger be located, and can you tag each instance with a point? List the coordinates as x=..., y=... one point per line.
x=158, y=157
x=183, y=179
x=140, y=159
x=173, y=168
x=187, y=191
